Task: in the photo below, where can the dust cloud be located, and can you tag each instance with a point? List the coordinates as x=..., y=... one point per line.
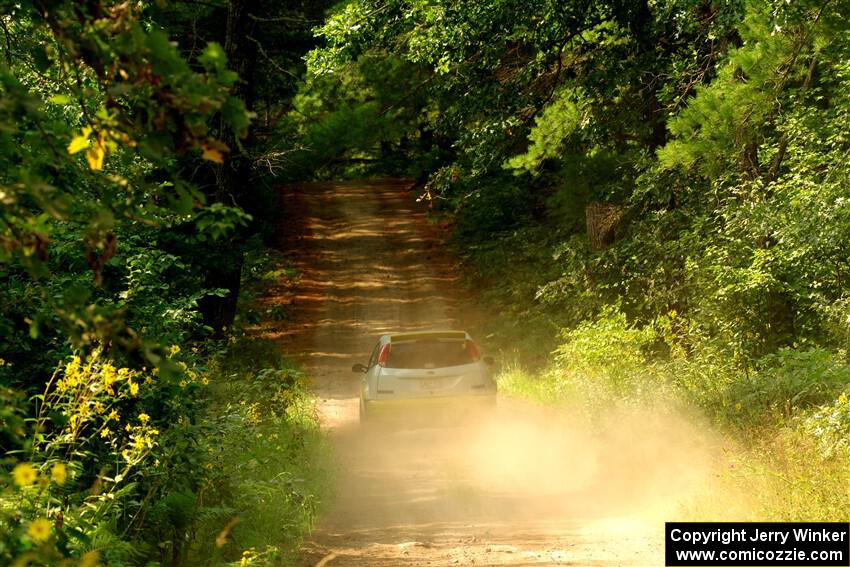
x=518, y=483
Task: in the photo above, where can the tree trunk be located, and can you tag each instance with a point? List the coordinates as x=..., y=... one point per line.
x=224, y=271
x=601, y=223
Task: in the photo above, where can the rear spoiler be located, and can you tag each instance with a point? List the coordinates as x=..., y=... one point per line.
x=456, y=335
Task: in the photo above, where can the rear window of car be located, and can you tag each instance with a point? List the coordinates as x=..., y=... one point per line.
x=430, y=353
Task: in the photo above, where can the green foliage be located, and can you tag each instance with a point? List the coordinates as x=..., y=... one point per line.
x=276, y=488
x=729, y=117
x=829, y=424
x=119, y=92
x=364, y=112
x=787, y=382
x=559, y=120
x=120, y=132
x=594, y=345
x=75, y=474
x=193, y=467
x=266, y=461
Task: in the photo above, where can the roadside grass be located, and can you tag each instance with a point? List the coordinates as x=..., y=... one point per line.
x=542, y=388
x=269, y=461
x=267, y=457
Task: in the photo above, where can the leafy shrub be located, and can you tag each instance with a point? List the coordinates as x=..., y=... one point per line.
x=606, y=357
x=786, y=382
x=265, y=456
x=829, y=424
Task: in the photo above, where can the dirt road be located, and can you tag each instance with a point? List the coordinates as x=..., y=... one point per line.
x=522, y=487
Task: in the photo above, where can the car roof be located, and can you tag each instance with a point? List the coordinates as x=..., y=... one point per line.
x=418, y=335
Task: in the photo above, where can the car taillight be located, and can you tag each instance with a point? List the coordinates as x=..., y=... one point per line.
x=472, y=350
x=384, y=355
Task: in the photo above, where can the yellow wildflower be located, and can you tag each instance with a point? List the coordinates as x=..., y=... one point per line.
x=108, y=374
x=24, y=474
x=113, y=415
x=39, y=530
x=98, y=407
x=89, y=559
x=74, y=366
x=173, y=350
x=144, y=418
x=205, y=381
x=134, y=389
x=842, y=398
x=738, y=406
x=127, y=427
x=105, y=432
x=183, y=383
x=59, y=473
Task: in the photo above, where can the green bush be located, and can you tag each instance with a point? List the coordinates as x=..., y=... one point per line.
x=785, y=383
x=829, y=424
x=265, y=457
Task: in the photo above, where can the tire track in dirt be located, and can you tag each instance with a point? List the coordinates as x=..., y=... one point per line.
x=524, y=487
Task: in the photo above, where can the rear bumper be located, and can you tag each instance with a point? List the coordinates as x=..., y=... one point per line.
x=447, y=406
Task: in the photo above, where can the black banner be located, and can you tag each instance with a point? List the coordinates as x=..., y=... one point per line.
x=761, y=544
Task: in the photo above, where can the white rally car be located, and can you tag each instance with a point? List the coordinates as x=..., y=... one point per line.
x=418, y=370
